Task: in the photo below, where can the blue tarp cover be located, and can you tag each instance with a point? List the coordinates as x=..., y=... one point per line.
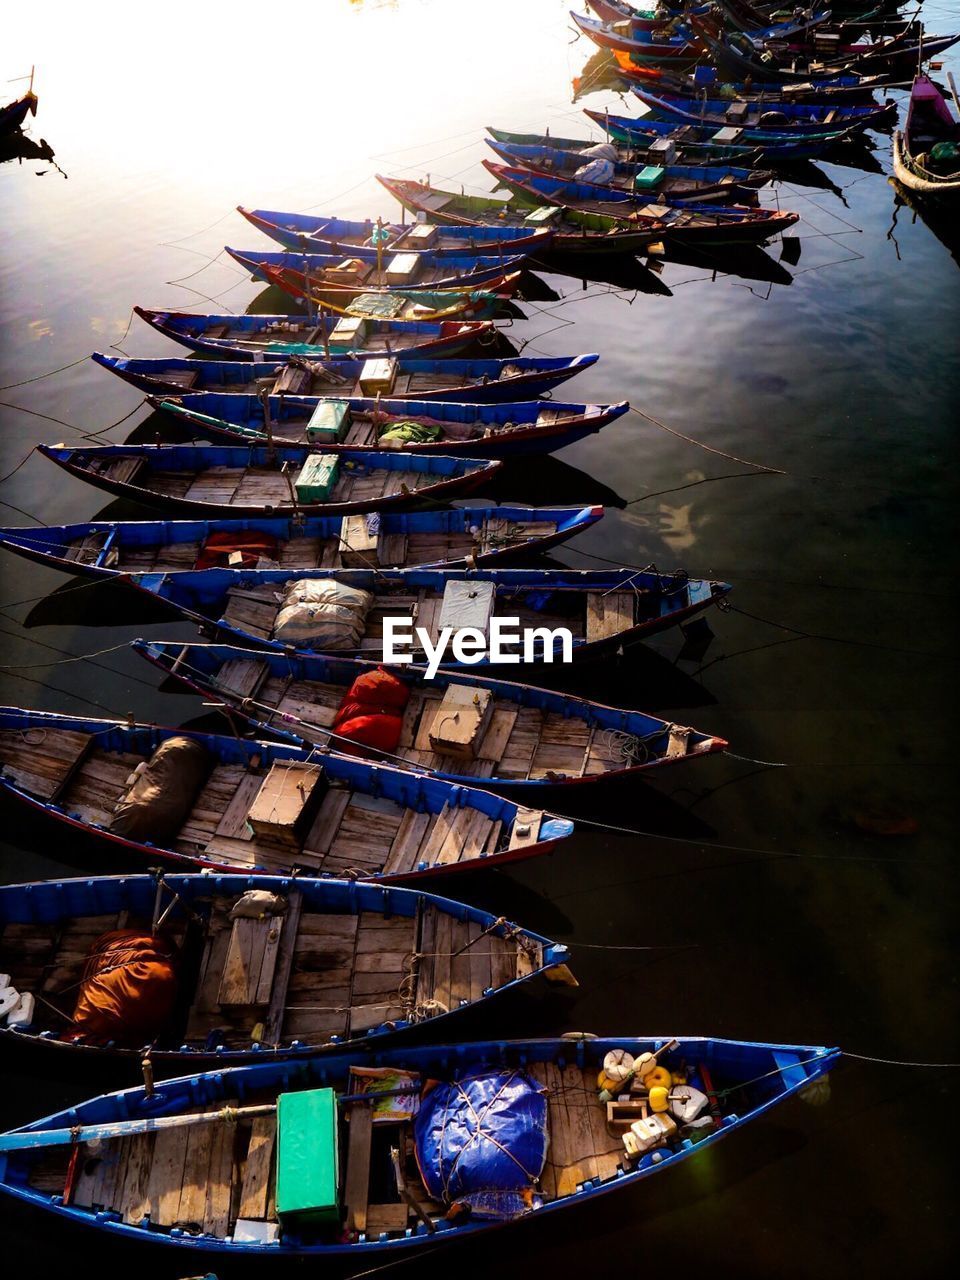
x=482, y=1142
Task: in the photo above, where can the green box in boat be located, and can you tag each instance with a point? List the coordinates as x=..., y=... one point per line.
x=308, y=1159
x=648, y=177
x=329, y=422
x=544, y=215
x=317, y=477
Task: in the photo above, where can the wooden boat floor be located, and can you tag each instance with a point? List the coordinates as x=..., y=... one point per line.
x=352, y=833
x=581, y=1146
x=254, y=610
x=257, y=486
x=519, y=743
x=205, y=1177
x=394, y=550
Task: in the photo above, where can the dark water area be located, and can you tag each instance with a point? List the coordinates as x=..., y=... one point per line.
x=772, y=908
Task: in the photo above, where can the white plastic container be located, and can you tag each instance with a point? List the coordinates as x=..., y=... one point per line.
x=21, y=1015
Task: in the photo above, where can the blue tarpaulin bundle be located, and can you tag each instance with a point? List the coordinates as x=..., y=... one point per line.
x=482, y=1143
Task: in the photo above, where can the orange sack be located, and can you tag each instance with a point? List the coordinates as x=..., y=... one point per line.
x=371, y=711
x=129, y=987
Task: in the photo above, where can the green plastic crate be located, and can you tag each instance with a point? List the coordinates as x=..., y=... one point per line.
x=308, y=1159
x=317, y=477
x=648, y=177
x=329, y=422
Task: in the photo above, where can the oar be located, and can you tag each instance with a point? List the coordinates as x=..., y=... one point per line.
x=27, y=1140
x=30, y=1139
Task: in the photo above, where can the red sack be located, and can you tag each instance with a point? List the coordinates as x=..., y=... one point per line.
x=380, y=689
x=380, y=731
x=252, y=545
x=129, y=987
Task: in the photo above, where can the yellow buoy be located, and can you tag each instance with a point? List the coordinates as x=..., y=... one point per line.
x=658, y=1078
x=659, y=1098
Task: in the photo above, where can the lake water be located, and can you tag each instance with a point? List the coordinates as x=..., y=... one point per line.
x=772, y=907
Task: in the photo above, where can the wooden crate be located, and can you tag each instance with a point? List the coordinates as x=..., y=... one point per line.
x=461, y=720
x=288, y=801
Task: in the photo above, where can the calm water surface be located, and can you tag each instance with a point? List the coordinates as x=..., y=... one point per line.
x=772, y=912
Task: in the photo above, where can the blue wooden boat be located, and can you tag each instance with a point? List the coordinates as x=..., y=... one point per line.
x=605, y=611
x=449, y=536
x=688, y=224
x=361, y=820
x=678, y=185
x=349, y=943
x=272, y=337
x=317, y=233
x=122, y=1184
x=467, y=381
x=249, y=481
x=325, y=272
x=727, y=143
x=536, y=740
x=681, y=50
x=823, y=89
x=782, y=121
x=637, y=150
x=458, y=430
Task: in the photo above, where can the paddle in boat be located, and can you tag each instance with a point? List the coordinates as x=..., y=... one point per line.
x=198, y=800
x=388, y=539
x=402, y=376
x=602, y=611
x=236, y=481
x=189, y=968
x=370, y=425
x=268, y=337
x=394, y=1151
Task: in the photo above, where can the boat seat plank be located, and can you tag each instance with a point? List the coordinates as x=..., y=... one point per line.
x=43, y=768
x=166, y=1175
x=609, y=613
x=286, y=954
x=258, y=1169
x=357, y=1189
x=247, y=976
x=327, y=822
x=132, y=1200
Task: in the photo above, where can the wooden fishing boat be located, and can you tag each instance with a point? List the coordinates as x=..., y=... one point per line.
x=575, y=231
x=371, y=424
x=651, y=144
x=613, y=12
x=319, y=234
x=249, y=481
x=398, y=304
x=674, y=185
x=466, y=381
x=926, y=153
x=203, y=1163
x=697, y=224
x=725, y=144
x=785, y=119
x=14, y=113
x=251, y=967
x=644, y=46
x=268, y=337
x=350, y=277
x=821, y=89
x=736, y=55
x=605, y=611
x=393, y=539
x=533, y=740
x=257, y=807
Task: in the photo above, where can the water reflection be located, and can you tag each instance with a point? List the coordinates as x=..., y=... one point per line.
x=20, y=146
x=940, y=219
